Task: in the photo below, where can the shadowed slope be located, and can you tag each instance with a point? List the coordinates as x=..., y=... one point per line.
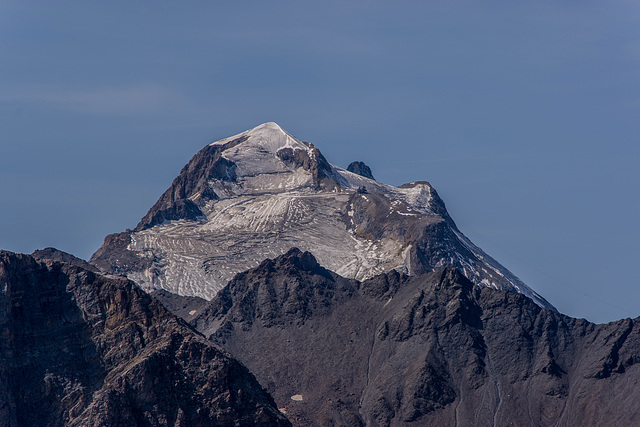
x=81, y=349
x=431, y=349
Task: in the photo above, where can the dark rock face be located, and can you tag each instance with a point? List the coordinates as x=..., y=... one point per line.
x=191, y=187
x=361, y=169
x=431, y=349
x=290, y=289
x=295, y=158
x=80, y=349
x=321, y=171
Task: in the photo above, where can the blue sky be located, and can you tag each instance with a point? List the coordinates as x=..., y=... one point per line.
x=523, y=115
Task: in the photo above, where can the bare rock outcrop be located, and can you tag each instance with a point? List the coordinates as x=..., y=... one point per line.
x=430, y=349
x=81, y=349
x=361, y=169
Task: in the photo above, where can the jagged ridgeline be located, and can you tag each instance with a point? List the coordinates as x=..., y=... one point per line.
x=257, y=194
x=376, y=320
x=424, y=350
x=81, y=349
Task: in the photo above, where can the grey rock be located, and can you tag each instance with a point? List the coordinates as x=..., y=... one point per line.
x=429, y=349
x=115, y=257
x=190, y=189
x=81, y=349
x=361, y=169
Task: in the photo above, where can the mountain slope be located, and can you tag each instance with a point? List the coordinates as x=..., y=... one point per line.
x=81, y=349
x=259, y=193
x=430, y=349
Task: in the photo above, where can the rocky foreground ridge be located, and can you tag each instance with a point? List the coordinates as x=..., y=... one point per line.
x=257, y=194
x=375, y=321
x=81, y=349
x=430, y=349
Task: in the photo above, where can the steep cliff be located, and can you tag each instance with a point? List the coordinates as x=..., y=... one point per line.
x=81, y=349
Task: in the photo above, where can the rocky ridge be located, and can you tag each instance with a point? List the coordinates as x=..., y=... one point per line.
x=429, y=349
x=81, y=349
x=54, y=254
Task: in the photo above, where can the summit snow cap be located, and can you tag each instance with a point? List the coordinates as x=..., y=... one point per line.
x=267, y=136
x=269, y=159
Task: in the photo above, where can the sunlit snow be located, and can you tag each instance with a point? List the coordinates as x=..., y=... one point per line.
x=273, y=206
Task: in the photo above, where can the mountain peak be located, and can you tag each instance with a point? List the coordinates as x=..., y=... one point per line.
x=268, y=126
x=263, y=160
x=258, y=193
x=265, y=138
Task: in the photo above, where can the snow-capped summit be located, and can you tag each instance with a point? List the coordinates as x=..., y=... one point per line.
x=261, y=192
x=269, y=159
x=269, y=136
